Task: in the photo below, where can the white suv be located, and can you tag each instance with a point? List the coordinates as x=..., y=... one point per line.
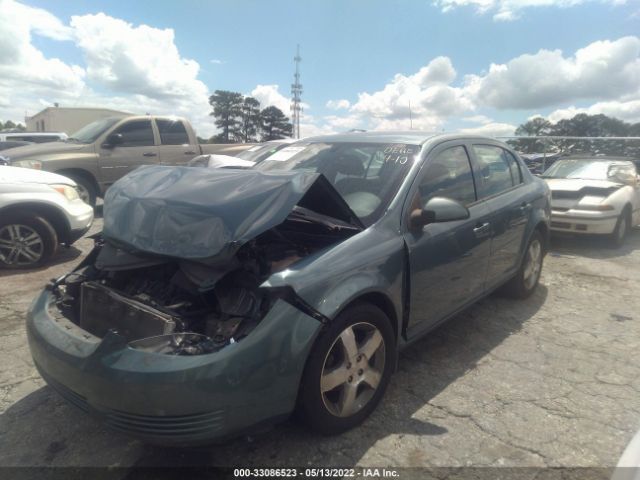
x=38, y=212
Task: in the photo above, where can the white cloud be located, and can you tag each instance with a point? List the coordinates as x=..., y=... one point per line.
x=23, y=65
x=427, y=95
x=492, y=129
x=136, y=59
x=423, y=100
x=602, y=70
x=628, y=111
x=508, y=10
x=342, y=104
x=482, y=119
x=216, y=61
x=269, y=95
x=139, y=68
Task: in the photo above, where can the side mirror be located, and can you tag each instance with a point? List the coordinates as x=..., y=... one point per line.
x=113, y=140
x=437, y=210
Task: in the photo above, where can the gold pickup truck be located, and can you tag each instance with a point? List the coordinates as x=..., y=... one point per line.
x=103, y=151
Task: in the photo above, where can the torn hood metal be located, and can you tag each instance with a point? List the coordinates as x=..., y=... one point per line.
x=208, y=214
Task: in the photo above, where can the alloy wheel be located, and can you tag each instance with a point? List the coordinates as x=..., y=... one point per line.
x=533, y=264
x=20, y=245
x=352, y=369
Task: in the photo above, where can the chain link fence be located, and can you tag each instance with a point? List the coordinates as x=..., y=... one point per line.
x=539, y=153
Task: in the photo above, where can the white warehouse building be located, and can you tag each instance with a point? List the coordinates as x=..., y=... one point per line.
x=67, y=120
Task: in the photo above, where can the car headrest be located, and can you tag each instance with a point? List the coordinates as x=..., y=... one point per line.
x=349, y=164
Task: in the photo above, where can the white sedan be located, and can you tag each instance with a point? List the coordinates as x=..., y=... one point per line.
x=594, y=195
x=38, y=212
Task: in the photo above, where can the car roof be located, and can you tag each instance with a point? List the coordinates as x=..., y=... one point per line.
x=414, y=137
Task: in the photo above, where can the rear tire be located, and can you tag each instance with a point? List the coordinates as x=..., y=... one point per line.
x=525, y=281
x=26, y=241
x=344, y=380
x=623, y=225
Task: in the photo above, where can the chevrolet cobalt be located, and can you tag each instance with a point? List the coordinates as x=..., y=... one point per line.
x=219, y=300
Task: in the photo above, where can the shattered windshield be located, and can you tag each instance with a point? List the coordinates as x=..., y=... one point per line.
x=367, y=175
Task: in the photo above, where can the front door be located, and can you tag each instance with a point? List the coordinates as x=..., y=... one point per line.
x=137, y=148
x=447, y=261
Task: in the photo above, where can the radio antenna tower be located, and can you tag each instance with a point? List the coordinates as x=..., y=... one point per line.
x=296, y=92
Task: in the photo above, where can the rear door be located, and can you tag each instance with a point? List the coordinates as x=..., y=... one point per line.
x=501, y=186
x=138, y=148
x=175, y=148
x=447, y=261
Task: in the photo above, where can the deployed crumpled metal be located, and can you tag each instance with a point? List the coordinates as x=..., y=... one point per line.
x=200, y=214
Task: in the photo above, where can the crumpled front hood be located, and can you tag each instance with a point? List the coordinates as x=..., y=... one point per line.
x=38, y=150
x=207, y=214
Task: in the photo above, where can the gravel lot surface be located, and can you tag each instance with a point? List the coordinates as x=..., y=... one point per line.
x=550, y=381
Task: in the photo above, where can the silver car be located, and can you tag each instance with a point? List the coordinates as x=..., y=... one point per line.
x=38, y=212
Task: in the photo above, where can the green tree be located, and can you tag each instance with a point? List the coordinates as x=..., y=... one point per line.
x=274, y=124
x=535, y=127
x=250, y=119
x=583, y=125
x=227, y=110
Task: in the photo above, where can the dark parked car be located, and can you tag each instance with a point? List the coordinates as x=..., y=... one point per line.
x=219, y=299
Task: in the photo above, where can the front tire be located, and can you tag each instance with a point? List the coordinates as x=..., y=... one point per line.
x=525, y=281
x=26, y=241
x=623, y=225
x=348, y=370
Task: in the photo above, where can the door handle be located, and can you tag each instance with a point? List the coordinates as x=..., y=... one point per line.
x=189, y=153
x=525, y=206
x=482, y=228
x=149, y=154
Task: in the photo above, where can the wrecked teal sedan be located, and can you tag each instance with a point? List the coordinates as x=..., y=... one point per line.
x=218, y=301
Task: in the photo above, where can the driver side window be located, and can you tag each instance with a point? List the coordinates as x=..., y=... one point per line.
x=136, y=133
x=448, y=175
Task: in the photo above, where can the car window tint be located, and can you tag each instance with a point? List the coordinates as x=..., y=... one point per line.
x=137, y=133
x=172, y=132
x=495, y=170
x=449, y=175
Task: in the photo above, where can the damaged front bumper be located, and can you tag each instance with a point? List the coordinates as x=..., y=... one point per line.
x=175, y=400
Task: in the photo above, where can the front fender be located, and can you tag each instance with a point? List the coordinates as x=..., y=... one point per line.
x=369, y=262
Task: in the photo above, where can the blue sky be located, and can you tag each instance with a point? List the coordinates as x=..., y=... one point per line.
x=348, y=48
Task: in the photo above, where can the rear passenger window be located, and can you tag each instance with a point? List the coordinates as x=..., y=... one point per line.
x=499, y=170
x=449, y=175
x=136, y=133
x=172, y=132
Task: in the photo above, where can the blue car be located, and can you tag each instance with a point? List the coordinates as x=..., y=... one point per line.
x=219, y=300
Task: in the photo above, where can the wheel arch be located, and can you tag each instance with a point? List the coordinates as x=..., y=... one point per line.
x=383, y=302
x=543, y=228
x=82, y=173
x=50, y=213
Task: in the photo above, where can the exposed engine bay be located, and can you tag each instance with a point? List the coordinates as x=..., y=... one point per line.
x=184, y=307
